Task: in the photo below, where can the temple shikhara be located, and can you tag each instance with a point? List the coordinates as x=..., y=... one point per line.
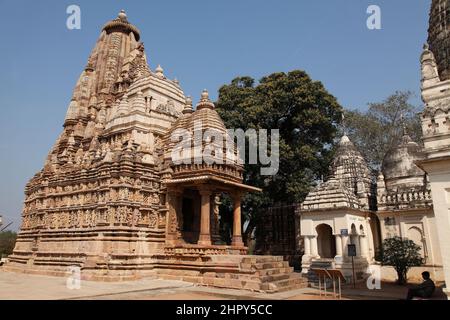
x=436, y=123
x=111, y=200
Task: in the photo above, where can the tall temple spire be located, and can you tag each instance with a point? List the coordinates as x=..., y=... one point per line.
x=439, y=36
x=121, y=24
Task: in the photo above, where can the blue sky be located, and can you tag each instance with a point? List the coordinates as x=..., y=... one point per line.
x=204, y=44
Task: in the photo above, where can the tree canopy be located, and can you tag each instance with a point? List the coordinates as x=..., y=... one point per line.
x=306, y=116
x=375, y=131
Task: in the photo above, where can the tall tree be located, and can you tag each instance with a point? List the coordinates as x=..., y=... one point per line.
x=378, y=129
x=306, y=116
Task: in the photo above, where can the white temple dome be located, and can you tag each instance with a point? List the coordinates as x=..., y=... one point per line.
x=399, y=168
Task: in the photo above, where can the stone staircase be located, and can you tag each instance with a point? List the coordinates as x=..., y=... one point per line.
x=267, y=274
x=271, y=273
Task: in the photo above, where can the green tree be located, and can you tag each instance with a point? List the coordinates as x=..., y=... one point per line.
x=402, y=254
x=307, y=117
x=7, y=242
x=375, y=131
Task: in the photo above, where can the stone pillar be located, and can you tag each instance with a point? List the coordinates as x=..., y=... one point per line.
x=364, y=246
x=338, y=245
x=344, y=245
x=237, y=224
x=314, y=248
x=205, y=221
x=307, y=242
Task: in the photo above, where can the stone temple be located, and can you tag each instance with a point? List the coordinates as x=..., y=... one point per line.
x=110, y=199
x=411, y=197
x=350, y=208
x=435, y=62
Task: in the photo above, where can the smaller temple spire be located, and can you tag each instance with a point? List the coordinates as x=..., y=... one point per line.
x=159, y=71
x=343, y=124
x=205, y=102
x=430, y=73
x=123, y=106
x=344, y=140
x=139, y=102
x=188, y=106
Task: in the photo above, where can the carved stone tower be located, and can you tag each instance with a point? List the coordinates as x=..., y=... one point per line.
x=98, y=201
x=113, y=199
x=439, y=36
x=436, y=121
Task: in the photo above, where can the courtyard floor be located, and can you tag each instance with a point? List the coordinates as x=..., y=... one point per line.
x=16, y=286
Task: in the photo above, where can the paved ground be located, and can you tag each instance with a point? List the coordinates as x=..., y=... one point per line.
x=30, y=287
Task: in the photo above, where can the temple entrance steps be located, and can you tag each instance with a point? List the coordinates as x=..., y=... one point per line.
x=273, y=273
x=267, y=274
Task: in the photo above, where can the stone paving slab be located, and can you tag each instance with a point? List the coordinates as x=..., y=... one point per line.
x=32, y=287
x=16, y=286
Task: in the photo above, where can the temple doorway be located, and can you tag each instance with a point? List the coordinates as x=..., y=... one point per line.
x=325, y=242
x=190, y=214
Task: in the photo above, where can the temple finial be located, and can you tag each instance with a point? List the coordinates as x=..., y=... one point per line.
x=188, y=105
x=159, y=71
x=122, y=15
x=205, y=102
x=205, y=95
x=343, y=124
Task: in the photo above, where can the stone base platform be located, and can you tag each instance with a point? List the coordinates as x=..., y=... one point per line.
x=223, y=267
x=267, y=274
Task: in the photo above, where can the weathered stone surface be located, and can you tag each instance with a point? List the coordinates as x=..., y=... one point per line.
x=439, y=36
x=399, y=168
x=435, y=62
x=247, y=273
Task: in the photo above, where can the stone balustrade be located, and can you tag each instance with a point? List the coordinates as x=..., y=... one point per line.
x=412, y=198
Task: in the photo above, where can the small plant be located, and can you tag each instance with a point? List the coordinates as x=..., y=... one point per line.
x=402, y=254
